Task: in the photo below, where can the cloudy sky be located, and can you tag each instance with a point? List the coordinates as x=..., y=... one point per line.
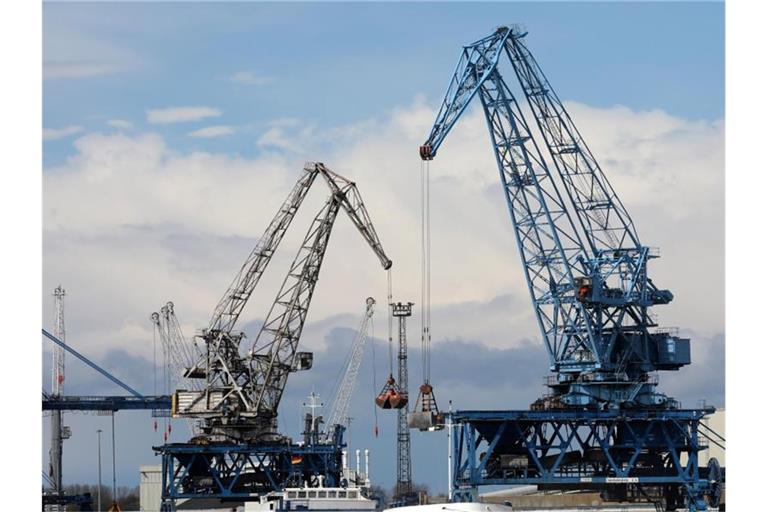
x=172, y=132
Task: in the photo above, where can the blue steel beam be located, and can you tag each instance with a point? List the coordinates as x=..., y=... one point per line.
x=107, y=403
x=92, y=364
x=580, y=414
x=650, y=454
x=243, y=470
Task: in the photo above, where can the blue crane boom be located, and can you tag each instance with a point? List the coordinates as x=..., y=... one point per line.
x=604, y=426
x=136, y=401
x=92, y=365
x=584, y=264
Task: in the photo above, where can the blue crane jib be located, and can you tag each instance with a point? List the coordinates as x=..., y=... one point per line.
x=585, y=267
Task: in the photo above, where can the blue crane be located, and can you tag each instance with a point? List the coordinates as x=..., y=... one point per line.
x=585, y=266
x=604, y=426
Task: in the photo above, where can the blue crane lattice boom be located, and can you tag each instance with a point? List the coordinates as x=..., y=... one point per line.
x=584, y=264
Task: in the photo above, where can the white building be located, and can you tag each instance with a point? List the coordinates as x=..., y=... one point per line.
x=150, y=486
x=717, y=423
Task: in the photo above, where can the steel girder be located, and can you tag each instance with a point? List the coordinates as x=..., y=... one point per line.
x=242, y=471
x=630, y=455
x=107, y=403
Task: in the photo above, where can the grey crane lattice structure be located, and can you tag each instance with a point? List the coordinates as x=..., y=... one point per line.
x=239, y=451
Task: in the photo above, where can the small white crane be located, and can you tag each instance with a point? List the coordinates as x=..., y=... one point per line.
x=339, y=413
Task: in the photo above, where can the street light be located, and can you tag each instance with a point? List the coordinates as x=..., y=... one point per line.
x=115, y=506
x=98, y=491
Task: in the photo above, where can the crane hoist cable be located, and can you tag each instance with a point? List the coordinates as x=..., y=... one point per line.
x=154, y=365
x=389, y=324
x=426, y=415
x=375, y=380
x=426, y=277
x=391, y=395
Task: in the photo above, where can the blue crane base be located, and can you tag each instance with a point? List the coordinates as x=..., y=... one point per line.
x=627, y=455
x=242, y=472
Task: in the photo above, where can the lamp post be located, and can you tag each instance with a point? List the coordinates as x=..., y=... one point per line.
x=98, y=491
x=114, y=478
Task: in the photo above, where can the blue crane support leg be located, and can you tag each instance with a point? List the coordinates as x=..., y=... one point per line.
x=626, y=455
x=229, y=471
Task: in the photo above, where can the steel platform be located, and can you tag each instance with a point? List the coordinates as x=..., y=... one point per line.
x=628, y=455
x=241, y=472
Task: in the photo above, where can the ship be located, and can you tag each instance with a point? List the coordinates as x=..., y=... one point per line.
x=351, y=496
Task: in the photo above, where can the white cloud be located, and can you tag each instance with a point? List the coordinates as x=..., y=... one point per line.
x=130, y=213
x=60, y=133
x=180, y=114
x=287, y=133
x=212, y=131
x=120, y=124
x=58, y=69
x=251, y=78
x=276, y=138
x=69, y=52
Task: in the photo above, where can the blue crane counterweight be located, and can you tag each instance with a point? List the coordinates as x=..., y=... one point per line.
x=587, y=276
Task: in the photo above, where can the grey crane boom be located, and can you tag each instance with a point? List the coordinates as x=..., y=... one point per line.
x=241, y=395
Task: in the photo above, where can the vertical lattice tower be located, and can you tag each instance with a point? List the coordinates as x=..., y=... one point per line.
x=57, y=372
x=404, y=485
x=57, y=389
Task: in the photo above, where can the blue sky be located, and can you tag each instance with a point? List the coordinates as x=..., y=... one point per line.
x=137, y=211
x=341, y=62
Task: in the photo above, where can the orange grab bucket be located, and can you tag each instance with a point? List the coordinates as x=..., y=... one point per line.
x=390, y=397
